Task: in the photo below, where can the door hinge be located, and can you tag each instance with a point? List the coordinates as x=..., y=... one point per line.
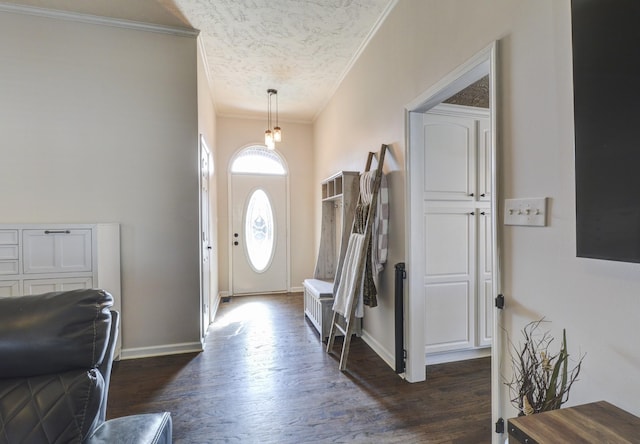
x=500, y=426
x=500, y=301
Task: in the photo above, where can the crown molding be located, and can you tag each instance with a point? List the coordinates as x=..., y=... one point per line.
x=258, y=116
x=96, y=20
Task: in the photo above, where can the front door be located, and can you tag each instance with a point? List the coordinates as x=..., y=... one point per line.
x=258, y=233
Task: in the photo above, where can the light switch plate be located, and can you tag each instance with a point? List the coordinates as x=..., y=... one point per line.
x=531, y=212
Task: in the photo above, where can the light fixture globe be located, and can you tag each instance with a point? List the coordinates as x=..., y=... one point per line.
x=275, y=135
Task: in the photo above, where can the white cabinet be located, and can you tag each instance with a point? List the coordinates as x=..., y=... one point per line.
x=457, y=229
x=449, y=162
x=457, y=158
x=485, y=162
x=450, y=278
x=57, y=250
x=9, y=288
x=38, y=258
x=9, y=253
x=485, y=281
x=38, y=286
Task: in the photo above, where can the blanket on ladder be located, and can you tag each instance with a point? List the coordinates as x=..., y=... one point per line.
x=345, y=293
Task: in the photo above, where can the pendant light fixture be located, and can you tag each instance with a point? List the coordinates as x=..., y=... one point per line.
x=272, y=134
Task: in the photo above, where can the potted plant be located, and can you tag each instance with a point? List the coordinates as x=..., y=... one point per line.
x=541, y=380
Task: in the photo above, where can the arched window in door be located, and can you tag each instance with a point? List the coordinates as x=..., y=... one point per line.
x=258, y=160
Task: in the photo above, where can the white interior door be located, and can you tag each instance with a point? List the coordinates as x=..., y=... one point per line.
x=258, y=233
x=205, y=236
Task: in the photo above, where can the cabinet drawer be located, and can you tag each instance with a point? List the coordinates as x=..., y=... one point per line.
x=57, y=251
x=38, y=286
x=8, y=252
x=8, y=237
x=8, y=267
x=9, y=288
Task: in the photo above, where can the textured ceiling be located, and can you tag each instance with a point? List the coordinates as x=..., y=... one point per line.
x=302, y=48
x=476, y=94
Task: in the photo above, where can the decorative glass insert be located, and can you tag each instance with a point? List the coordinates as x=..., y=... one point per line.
x=259, y=231
x=258, y=160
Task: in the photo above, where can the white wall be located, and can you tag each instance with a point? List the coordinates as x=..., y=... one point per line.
x=99, y=124
x=420, y=42
x=296, y=148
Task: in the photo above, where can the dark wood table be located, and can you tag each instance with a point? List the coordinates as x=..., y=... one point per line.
x=597, y=423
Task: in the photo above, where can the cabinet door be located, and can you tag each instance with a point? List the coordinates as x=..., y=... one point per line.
x=450, y=145
x=56, y=251
x=8, y=267
x=8, y=237
x=9, y=288
x=38, y=286
x=485, y=283
x=449, y=279
x=9, y=252
x=484, y=160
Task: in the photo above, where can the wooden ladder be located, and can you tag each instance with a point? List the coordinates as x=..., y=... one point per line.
x=350, y=321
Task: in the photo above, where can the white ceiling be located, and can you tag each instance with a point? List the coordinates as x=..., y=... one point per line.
x=302, y=48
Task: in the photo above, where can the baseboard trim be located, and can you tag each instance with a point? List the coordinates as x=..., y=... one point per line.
x=296, y=290
x=461, y=355
x=161, y=350
x=377, y=347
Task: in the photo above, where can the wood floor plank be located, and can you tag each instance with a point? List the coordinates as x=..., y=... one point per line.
x=264, y=377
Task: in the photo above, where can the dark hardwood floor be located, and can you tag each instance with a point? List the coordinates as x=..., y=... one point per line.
x=265, y=378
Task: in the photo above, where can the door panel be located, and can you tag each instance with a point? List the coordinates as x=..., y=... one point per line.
x=447, y=315
x=449, y=162
x=57, y=251
x=38, y=286
x=449, y=279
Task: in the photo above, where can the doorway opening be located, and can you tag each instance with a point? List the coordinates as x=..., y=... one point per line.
x=453, y=273
x=259, y=221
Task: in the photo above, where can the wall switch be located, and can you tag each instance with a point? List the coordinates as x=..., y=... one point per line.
x=530, y=212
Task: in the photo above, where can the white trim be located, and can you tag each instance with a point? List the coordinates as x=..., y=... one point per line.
x=462, y=355
x=161, y=350
x=107, y=255
x=380, y=350
x=213, y=310
x=448, y=109
x=414, y=296
x=372, y=32
x=296, y=290
x=497, y=386
x=258, y=116
x=96, y=20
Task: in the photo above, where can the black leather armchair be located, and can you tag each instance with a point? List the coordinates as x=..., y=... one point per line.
x=56, y=351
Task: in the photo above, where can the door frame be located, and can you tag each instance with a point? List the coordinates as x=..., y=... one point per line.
x=287, y=213
x=474, y=69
